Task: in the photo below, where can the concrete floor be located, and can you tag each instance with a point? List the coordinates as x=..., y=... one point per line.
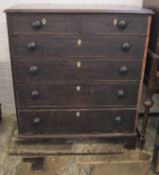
x=134, y=162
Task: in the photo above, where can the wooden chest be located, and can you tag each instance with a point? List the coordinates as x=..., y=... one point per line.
x=78, y=72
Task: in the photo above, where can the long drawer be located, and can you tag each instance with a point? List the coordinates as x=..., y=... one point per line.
x=55, y=46
x=76, y=95
x=76, y=69
x=75, y=122
x=77, y=23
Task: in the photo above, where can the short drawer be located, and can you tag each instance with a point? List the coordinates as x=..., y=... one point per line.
x=115, y=23
x=49, y=46
x=76, y=122
x=43, y=23
x=76, y=95
x=76, y=69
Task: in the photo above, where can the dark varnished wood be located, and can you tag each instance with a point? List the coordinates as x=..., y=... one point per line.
x=76, y=24
x=76, y=69
x=77, y=8
x=77, y=101
x=66, y=122
x=109, y=24
x=67, y=95
x=57, y=23
x=56, y=147
x=47, y=46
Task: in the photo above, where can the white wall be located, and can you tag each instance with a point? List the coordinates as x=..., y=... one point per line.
x=6, y=91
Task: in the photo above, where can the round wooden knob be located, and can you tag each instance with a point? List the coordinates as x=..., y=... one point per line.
x=31, y=46
x=36, y=25
x=33, y=70
x=120, y=93
x=148, y=102
x=123, y=70
x=118, y=120
x=122, y=24
x=126, y=46
x=35, y=94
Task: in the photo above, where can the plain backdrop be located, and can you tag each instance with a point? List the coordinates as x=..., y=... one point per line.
x=6, y=90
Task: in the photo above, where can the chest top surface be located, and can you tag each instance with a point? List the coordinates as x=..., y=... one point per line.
x=76, y=8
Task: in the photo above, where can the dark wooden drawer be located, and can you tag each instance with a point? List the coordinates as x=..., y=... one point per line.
x=43, y=23
x=49, y=46
x=75, y=122
x=76, y=95
x=76, y=69
x=102, y=24
x=77, y=23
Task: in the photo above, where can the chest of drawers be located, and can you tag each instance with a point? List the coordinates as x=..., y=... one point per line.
x=78, y=72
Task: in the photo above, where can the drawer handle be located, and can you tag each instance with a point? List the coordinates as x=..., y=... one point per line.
x=78, y=88
x=36, y=24
x=33, y=70
x=79, y=42
x=126, y=46
x=36, y=121
x=118, y=120
x=31, y=46
x=123, y=70
x=78, y=64
x=121, y=93
x=35, y=94
x=122, y=24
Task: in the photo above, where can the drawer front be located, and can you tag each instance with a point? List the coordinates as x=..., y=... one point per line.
x=76, y=122
x=72, y=24
x=102, y=24
x=76, y=69
x=43, y=23
x=49, y=46
x=77, y=95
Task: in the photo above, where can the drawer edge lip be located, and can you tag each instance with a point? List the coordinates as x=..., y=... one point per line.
x=78, y=108
x=106, y=82
x=49, y=136
x=63, y=58
x=25, y=34
x=75, y=109
x=21, y=59
x=73, y=82
x=77, y=35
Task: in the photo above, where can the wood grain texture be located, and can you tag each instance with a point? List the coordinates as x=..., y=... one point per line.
x=77, y=8
x=128, y=140
x=70, y=100
x=143, y=65
x=67, y=95
x=55, y=46
x=105, y=24
x=66, y=122
x=57, y=23
x=76, y=24
x=76, y=69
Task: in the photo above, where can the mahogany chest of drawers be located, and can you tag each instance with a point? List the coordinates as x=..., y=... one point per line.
x=78, y=73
